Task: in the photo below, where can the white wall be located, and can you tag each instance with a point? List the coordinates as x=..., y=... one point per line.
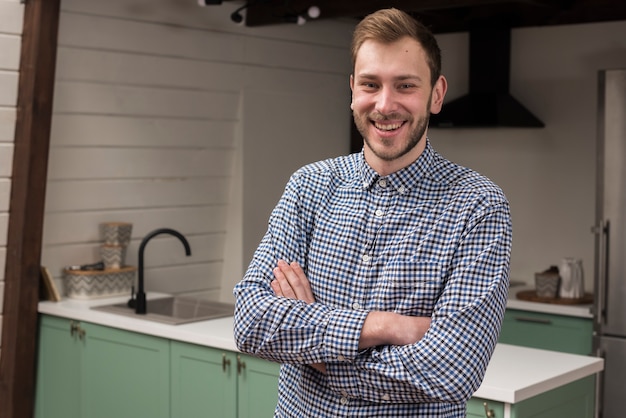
x=157, y=105
x=548, y=174
x=11, y=20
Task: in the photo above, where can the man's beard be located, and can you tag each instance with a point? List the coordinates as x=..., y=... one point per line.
x=363, y=123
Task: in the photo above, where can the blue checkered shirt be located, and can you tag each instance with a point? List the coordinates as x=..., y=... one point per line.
x=433, y=239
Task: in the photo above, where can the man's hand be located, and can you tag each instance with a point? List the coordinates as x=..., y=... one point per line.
x=390, y=328
x=291, y=282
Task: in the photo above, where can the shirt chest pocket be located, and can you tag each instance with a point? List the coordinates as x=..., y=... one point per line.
x=408, y=287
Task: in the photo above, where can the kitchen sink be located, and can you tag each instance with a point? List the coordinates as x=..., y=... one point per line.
x=174, y=310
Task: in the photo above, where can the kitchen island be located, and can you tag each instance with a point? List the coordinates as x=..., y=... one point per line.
x=514, y=375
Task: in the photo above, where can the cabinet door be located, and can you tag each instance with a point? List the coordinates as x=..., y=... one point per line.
x=258, y=387
x=547, y=331
x=124, y=374
x=574, y=400
x=58, y=369
x=204, y=382
x=482, y=408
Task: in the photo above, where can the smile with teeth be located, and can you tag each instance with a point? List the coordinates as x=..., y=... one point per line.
x=388, y=126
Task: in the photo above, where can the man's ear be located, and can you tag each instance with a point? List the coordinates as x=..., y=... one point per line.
x=352, y=90
x=438, y=94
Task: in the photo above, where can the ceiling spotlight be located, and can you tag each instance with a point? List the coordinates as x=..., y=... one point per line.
x=300, y=19
x=313, y=12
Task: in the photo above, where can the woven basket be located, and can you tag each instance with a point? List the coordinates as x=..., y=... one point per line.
x=93, y=284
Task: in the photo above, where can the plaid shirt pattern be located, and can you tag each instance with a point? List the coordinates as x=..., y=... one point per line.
x=433, y=239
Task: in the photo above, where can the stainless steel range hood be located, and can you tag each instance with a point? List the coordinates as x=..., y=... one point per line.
x=488, y=103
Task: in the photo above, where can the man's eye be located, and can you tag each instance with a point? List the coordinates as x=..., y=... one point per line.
x=369, y=85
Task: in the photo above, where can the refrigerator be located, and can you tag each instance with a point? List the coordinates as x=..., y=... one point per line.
x=610, y=244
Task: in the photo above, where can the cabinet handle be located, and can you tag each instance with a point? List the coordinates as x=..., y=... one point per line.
x=241, y=365
x=533, y=320
x=76, y=329
x=488, y=412
x=225, y=362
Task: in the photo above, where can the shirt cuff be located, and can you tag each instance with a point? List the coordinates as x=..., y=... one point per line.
x=341, y=339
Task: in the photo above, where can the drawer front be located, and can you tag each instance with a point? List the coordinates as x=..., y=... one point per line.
x=547, y=331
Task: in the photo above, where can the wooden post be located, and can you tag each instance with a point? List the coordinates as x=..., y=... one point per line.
x=26, y=212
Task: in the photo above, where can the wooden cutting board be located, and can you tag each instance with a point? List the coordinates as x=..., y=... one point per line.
x=531, y=296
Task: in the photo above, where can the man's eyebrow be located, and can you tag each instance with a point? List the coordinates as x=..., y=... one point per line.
x=402, y=77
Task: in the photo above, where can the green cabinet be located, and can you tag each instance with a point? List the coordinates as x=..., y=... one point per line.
x=58, y=369
x=547, y=331
x=257, y=387
x=227, y=384
x=86, y=370
x=574, y=400
x=124, y=374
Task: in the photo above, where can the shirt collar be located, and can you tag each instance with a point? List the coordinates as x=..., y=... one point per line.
x=403, y=180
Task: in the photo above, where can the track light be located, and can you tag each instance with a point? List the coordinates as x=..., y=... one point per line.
x=312, y=13
x=236, y=16
x=203, y=3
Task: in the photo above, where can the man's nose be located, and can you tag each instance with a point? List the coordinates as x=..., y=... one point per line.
x=387, y=101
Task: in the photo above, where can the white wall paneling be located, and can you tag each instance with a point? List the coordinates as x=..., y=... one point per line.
x=7, y=124
x=8, y=88
x=11, y=21
x=5, y=194
x=136, y=194
x=79, y=97
x=11, y=16
x=10, y=47
x=148, y=106
x=150, y=38
x=4, y=224
x=159, y=163
x=6, y=159
x=121, y=131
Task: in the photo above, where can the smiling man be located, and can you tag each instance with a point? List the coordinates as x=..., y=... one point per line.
x=381, y=282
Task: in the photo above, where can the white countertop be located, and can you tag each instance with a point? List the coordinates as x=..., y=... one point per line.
x=514, y=373
x=518, y=373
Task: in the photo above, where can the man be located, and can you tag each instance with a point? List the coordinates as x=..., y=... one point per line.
x=381, y=282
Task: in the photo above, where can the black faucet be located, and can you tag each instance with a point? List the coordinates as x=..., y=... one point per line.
x=139, y=300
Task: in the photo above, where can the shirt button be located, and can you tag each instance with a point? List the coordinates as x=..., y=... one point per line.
x=300, y=358
x=344, y=393
x=386, y=397
x=365, y=258
x=379, y=213
x=344, y=401
x=382, y=183
x=340, y=358
x=356, y=306
x=401, y=189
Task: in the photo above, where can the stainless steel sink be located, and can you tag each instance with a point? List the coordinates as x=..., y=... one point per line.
x=174, y=310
